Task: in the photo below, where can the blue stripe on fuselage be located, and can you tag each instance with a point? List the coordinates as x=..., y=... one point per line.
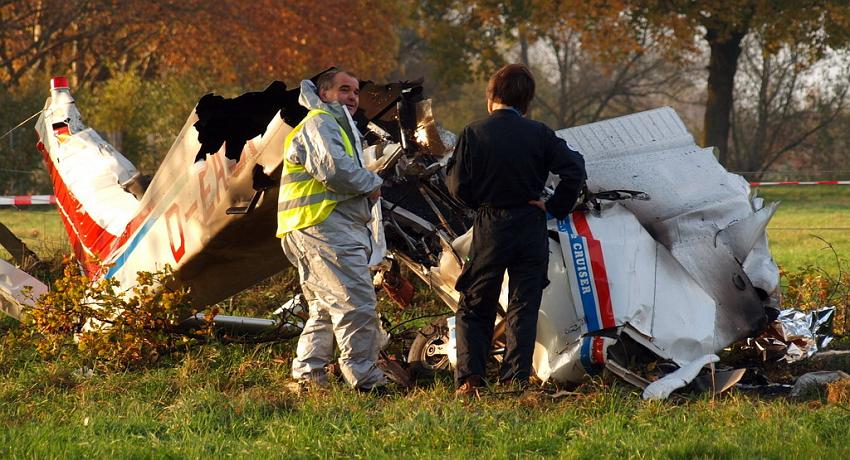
x=586, y=362
x=584, y=283
x=122, y=259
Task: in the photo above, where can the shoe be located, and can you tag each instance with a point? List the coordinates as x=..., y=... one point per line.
x=315, y=380
x=377, y=390
x=470, y=388
x=515, y=385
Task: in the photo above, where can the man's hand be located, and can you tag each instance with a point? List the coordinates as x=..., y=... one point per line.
x=539, y=203
x=374, y=194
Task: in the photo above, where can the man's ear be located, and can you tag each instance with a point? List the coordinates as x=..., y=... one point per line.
x=489, y=105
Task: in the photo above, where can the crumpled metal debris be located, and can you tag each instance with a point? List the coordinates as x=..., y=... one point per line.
x=427, y=133
x=795, y=335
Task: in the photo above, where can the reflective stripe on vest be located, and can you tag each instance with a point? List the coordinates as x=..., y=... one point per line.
x=304, y=201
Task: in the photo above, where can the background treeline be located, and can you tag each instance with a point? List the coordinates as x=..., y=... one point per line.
x=763, y=81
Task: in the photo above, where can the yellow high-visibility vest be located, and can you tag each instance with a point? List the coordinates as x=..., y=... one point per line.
x=304, y=201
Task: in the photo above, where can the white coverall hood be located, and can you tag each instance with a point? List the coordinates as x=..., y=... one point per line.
x=309, y=98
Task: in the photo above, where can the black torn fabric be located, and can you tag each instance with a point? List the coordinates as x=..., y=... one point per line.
x=232, y=122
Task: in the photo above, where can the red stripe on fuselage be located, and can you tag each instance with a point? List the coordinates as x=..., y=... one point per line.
x=87, y=237
x=600, y=274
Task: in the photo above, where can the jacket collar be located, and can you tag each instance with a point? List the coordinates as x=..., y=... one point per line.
x=507, y=111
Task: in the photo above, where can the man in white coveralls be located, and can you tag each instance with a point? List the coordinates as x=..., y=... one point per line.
x=323, y=212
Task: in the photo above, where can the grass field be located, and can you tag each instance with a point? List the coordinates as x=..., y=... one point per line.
x=807, y=219
x=231, y=400
x=39, y=227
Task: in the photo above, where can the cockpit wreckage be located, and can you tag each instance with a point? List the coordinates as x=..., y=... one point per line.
x=666, y=260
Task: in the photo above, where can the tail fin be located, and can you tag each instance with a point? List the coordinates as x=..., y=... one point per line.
x=89, y=178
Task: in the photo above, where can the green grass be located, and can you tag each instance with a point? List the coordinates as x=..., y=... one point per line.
x=808, y=220
x=39, y=227
x=231, y=400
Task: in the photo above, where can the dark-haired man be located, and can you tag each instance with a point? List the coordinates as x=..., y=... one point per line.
x=323, y=212
x=499, y=167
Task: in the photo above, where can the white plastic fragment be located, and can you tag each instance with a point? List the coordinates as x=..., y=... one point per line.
x=661, y=388
x=17, y=289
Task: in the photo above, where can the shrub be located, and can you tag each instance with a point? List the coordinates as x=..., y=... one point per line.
x=811, y=288
x=102, y=325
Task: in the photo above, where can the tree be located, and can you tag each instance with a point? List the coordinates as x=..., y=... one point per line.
x=21, y=166
x=782, y=104
x=137, y=67
x=256, y=42
x=80, y=37
x=580, y=87
x=815, y=25
x=241, y=42
x=589, y=59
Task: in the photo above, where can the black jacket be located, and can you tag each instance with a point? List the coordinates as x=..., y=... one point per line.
x=503, y=161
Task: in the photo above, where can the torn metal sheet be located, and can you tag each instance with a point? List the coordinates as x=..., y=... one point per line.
x=18, y=290
x=795, y=335
x=661, y=388
x=180, y=220
x=694, y=210
x=193, y=214
x=663, y=272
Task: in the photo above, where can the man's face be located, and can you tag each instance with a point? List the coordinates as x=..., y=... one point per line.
x=345, y=90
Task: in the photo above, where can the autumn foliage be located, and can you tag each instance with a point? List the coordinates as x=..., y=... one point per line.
x=233, y=40
x=811, y=288
x=97, y=323
x=287, y=40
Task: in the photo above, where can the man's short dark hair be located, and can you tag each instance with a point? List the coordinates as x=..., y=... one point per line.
x=326, y=79
x=512, y=85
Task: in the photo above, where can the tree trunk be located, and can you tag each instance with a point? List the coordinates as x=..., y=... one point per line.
x=722, y=66
x=25, y=258
x=756, y=155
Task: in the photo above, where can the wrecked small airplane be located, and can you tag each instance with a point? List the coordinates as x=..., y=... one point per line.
x=665, y=261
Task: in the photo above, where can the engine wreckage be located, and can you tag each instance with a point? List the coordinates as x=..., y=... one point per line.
x=666, y=260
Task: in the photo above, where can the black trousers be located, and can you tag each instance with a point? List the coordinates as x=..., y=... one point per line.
x=512, y=240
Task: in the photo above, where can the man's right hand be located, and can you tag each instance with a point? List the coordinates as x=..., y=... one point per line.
x=374, y=194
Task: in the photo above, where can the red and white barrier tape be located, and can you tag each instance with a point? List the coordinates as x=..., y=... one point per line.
x=26, y=200
x=817, y=182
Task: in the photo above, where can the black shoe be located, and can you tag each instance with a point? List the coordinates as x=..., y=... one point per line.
x=519, y=385
x=378, y=390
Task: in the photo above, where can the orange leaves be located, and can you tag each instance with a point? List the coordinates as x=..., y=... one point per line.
x=268, y=39
x=233, y=40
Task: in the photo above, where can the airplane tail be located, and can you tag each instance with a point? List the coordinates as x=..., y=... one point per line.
x=90, y=179
x=181, y=217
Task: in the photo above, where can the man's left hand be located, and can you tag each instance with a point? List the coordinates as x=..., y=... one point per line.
x=539, y=203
